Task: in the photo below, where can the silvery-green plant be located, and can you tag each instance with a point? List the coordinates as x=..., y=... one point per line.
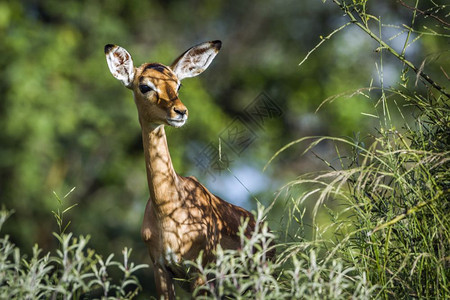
x=295, y=273
x=74, y=271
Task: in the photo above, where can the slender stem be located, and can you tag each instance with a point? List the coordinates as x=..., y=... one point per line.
x=408, y=212
x=415, y=9
x=323, y=39
x=410, y=29
x=390, y=49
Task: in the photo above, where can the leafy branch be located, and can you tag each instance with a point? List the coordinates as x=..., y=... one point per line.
x=425, y=13
x=363, y=24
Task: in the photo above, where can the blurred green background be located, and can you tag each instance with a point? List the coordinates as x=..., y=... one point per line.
x=66, y=122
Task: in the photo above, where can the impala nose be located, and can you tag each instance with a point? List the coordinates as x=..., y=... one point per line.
x=181, y=112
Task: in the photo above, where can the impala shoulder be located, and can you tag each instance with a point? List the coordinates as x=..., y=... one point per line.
x=193, y=183
x=195, y=189
x=190, y=182
x=192, y=178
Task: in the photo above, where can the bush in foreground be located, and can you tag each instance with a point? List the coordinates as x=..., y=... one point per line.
x=74, y=272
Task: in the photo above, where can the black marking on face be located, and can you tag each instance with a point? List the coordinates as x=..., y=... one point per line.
x=157, y=67
x=171, y=94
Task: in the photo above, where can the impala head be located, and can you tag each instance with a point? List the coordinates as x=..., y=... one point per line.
x=155, y=86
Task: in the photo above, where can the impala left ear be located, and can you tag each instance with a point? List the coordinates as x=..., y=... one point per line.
x=195, y=60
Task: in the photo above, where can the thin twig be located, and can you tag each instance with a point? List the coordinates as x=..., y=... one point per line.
x=323, y=39
x=424, y=13
x=445, y=73
x=390, y=49
x=408, y=212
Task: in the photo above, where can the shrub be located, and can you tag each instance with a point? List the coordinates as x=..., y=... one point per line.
x=74, y=272
x=295, y=273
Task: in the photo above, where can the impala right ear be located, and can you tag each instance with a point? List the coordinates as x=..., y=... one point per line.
x=195, y=60
x=120, y=64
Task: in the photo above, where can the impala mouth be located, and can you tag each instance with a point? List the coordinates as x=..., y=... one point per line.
x=176, y=122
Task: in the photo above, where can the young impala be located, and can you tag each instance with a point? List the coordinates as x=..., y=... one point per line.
x=182, y=218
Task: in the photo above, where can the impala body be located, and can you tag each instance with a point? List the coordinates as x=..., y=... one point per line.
x=182, y=218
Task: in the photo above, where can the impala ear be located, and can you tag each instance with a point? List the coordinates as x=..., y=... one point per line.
x=195, y=60
x=120, y=64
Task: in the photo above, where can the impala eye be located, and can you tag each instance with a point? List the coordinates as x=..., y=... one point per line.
x=144, y=88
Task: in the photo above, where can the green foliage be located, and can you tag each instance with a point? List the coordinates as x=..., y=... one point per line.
x=74, y=272
x=378, y=220
x=394, y=188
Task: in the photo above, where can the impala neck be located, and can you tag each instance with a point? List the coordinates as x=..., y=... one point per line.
x=161, y=176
